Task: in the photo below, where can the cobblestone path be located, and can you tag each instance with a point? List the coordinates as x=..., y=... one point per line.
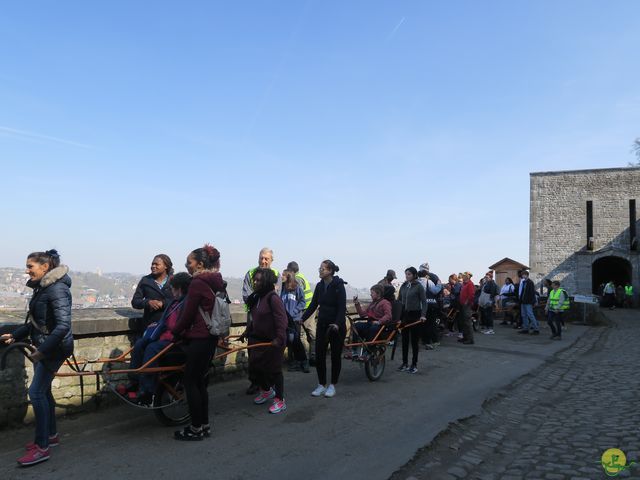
x=554, y=423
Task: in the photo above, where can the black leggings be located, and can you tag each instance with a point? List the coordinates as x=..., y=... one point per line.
x=199, y=352
x=336, y=340
x=411, y=334
x=265, y=380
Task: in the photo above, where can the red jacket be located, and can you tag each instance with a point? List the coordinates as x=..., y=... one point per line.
x=379, y=311
x=200, y=294
x=467, y=294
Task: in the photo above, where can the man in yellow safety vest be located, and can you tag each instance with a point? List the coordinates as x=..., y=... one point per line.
x=628, y=295
x=265, y=259
x=309, y=327
x=556, y=306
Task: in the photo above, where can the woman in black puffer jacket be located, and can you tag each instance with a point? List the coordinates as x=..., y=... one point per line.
x=49, y=327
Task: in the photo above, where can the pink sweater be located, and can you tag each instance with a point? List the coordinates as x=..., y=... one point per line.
x=379, y=311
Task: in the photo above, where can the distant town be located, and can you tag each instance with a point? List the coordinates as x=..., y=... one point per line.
x=98, y=290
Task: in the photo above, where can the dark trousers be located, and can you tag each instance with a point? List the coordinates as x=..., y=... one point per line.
x=265, y=380
x=141, y=354
x=295, y=345
x=336, y=340
x=44, y=406
x=430, y=332
x=199, y=352
x=411, y=334
x=366, y=330
x=487, y=316
x=466, y=322
x=609, y=300
x=554, y=320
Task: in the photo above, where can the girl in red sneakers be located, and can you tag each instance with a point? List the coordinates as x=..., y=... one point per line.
x=269, y=324
x=49, y=327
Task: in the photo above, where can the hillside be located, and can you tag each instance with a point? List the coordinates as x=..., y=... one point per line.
x=93, y=290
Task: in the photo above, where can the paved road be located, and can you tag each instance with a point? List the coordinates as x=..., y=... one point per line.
x=556, y=422
x=369, y=430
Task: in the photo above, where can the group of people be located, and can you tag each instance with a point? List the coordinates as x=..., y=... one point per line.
x=616, y=296
x=281, y=312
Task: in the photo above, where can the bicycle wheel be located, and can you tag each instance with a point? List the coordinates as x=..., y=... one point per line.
x=170, y=402
x=374, y=366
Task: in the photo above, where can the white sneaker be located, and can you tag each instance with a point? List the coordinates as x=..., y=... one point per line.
x=489, y=332
x=330, y=392
x=320, y=389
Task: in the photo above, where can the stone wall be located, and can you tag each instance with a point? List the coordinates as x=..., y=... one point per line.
x=558, y=223
x=99, y=333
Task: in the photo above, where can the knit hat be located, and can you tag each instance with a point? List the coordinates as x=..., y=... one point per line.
x=424, y=267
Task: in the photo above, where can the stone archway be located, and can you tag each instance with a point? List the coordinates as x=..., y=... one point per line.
x=610, y=268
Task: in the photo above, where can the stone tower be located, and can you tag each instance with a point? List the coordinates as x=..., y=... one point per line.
x=584, y=228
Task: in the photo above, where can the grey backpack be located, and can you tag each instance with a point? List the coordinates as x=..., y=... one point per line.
x=219, y=320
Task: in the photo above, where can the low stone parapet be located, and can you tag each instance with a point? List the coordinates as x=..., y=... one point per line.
x=98, y=333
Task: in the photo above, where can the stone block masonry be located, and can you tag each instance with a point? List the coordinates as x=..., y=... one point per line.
x=558, y=223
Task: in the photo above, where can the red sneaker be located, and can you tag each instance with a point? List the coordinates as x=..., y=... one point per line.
x=54, y=441
x=33, y=456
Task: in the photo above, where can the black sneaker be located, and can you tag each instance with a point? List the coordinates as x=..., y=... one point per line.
x=535, y=332
x=294, y=367
x=189, y=435
x=524, y=332
x=206, y=430
x=145, y=399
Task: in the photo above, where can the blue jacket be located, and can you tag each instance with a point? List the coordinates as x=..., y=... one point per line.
x=153, y=332
x=50, y=316
x=293, y=302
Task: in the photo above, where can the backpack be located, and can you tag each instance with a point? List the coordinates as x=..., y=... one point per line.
x=219, y=320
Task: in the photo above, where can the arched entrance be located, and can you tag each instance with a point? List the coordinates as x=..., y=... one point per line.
x=610, y=268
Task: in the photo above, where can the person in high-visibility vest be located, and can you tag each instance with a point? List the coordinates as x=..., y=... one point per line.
x=557, y=304
x=309, y=327
x=265, y=259
x=628, y=295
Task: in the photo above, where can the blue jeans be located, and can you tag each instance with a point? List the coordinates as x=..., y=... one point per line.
x=141, y=354
x=44, y=406
x=529, y=320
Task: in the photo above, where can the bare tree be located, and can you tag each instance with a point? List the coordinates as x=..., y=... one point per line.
x=635, y=149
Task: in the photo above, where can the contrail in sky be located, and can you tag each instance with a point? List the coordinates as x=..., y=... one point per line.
x=393, y=32
x=36, y=136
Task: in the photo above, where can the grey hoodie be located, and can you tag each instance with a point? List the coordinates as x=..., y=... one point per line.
x=413, y=297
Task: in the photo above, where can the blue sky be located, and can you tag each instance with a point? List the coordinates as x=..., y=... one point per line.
x=377, y=134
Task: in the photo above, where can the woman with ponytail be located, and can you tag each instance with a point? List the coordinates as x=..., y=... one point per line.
x=49, y=327
x=331, y=299
x=198, y=344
